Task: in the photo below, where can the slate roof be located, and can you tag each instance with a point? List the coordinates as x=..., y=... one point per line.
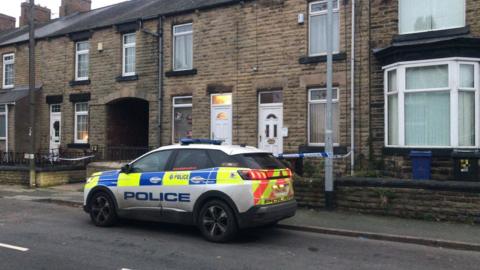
x=123, y=12
x=15, y=94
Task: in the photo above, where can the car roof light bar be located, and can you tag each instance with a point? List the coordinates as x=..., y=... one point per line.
x=187, y=141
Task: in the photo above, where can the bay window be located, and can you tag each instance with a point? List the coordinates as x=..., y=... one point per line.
x=81, y=122
x=317, y=108
x=318, y=28
x=183, y=47
x=182, y=118
x=129, y=57
x=3, y=122
x=432, y=104
x=429, y=15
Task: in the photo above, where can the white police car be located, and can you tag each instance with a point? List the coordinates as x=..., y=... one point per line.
x=217, y=187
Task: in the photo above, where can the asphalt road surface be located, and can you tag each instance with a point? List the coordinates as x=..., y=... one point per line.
x=36, y=235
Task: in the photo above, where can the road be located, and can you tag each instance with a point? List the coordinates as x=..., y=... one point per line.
x=62, y=237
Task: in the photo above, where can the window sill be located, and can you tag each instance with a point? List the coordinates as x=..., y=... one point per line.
x=79, y=145
x=128, y=78
x=321, y=58
x=175, y=73
x=8, y=87
x=432, y=34
x=337, y=149
x=436, y=152
x=82, y=82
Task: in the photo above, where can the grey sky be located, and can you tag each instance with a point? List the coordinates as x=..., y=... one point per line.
x=12, y=7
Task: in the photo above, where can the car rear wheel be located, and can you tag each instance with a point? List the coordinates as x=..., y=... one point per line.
x=102, y=210
x=217, y=222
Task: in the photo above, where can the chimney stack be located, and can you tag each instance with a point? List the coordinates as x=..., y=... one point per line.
x=7, y=22
x=42, y=14
x=71, y=6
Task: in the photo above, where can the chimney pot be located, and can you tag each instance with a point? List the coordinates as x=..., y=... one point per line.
x=7, y=22
x=42, y=14
x=71, y=6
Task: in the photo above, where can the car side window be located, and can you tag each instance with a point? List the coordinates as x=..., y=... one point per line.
x=191, y=159
x=221, y=159
x=155, y=162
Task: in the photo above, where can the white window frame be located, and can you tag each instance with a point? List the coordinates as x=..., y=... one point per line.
x=320, y=13
x=174, y=106
x=453, y=87
x=320, y=101
x=438, y=29
x=126, y=46
x=173, y=44
x=5, y=63
x=77, y=56
x=80, y=113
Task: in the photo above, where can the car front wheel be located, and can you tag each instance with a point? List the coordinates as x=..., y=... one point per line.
x=217, y=222
x=102, y=210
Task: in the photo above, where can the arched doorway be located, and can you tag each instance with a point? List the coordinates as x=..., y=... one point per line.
x=127, y=123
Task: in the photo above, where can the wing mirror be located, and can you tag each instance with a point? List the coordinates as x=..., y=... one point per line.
x=127, y=168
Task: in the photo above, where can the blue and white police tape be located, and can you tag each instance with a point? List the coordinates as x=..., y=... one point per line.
x=312, y=155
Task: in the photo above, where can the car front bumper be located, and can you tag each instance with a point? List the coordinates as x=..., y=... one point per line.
x=266, y=214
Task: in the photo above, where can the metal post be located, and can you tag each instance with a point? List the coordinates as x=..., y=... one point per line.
x=329, y=193
x=31, y=92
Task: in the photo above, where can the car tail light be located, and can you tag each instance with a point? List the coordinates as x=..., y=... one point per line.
x=253, y=175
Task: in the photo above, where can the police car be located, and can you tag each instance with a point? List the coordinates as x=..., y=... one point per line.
x=219, y=188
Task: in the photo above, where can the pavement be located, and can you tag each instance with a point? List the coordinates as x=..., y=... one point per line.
x=36, y=235
x=429, y=233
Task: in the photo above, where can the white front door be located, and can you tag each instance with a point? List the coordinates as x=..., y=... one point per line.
x=270, y=128
x=221, y=118
x=55, y=127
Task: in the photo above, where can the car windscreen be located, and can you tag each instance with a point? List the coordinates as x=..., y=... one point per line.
x=259, y=161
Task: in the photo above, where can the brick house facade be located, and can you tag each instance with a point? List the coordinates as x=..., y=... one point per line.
x=250, y=76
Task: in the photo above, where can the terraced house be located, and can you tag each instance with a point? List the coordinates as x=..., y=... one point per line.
x=144, y=73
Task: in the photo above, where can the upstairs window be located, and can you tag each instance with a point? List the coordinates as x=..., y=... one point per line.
x=430, y=15
x=81, y=122
x=318, y=28
x=129, y=50
x=8, y=70
x=82, y=52
x=183, y=47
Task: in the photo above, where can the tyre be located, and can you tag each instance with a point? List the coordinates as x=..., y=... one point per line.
x=102, y=210
x=217, y=222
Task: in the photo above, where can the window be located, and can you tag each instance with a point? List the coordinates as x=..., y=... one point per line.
x=317, y=99
x=3, y=122
x=318, y=28
x=429, y=15
x=82, y=52
x=155, y=162
x=81, y=122
x=182, y=118
x=271, y=97
x=129, y=44
x=183, y=47
x=432, y=104
x=191, y=159
x=8, y=70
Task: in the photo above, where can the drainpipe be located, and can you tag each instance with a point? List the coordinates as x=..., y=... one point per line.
x=160, y=78
x=352, y=95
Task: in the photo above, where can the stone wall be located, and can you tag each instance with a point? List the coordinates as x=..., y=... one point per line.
x=44, y=177
x=430, y=200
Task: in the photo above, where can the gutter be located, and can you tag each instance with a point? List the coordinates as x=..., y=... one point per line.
x=160, y=79
x=352, y=95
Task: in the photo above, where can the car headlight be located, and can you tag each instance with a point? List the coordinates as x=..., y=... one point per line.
x=90, y=179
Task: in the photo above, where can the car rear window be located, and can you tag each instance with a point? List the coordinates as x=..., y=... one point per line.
x=259, y=161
